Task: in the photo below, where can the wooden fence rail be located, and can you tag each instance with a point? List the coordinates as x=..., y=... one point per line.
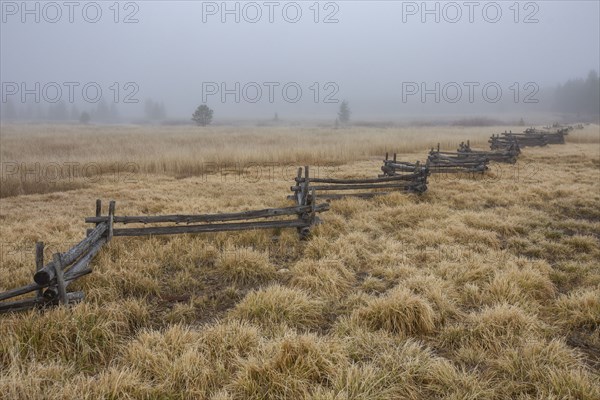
x=532, y=137
x=38, y=302
x=565, y=129
x=415, y=173
x=415, y=181
x=47, y=273
x=455, y=162
x=52, y=280
x=504, y=143
x=528, y=139
x=552, y=136
x=507, y=155
x=57, y=274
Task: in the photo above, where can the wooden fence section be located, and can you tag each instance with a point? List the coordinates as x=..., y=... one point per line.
x=307, y=187
x=508, y=154
x=440, y=162
x=52, y=280
x=504, y=143
x=538, y=137
x=552, y=136
x=556, y=127
x=205, y=223
x=404, y=170
x=528, y=139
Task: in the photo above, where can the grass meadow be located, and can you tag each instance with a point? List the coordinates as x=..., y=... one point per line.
x=482, y=288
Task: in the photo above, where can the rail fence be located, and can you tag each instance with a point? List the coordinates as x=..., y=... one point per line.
x=52, y=279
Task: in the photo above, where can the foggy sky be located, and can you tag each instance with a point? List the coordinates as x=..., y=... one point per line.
x=368, y=54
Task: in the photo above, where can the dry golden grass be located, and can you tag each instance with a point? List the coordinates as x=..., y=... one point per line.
x=55, y=158
x=479, y=289
x=399, y=312
x=245, y=266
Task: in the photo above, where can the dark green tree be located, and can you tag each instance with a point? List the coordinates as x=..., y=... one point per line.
x=74, y=116
x=203, y=115
x=344, y=113
x=102, y=112
x=84, y=118
x=154, y=110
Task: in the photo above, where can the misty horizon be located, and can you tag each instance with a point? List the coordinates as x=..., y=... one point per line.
x=252, y=60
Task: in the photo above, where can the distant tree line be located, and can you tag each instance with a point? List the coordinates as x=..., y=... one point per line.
x=579, y=96
x=61, y=111
x=154, y=110
x=58, y=112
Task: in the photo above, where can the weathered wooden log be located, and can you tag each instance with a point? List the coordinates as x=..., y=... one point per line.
x=111, y=219
x=454, y=153
x=46, y=274
x=35, y=302
x=403, y=168
x=503, y=142
x=34, y=286
x=558, y=138
x=39, y=262
x=313, y=206
x=395, y=185
x=334, y=196
x=98, y=214
x=186, y=219
x=487, y=154
x=407, y=177
x=305, y=186
x=416, y=187
x=408, y=166
x=19, y=291
x=299, y=193
x=80, y=266
x=414, y=174
x=60, y=278
x=330, y=196
x=491, y=155
x=390, y=172
x=436, y=164
x=173, y=230
x=77, y=251
x=525, y=135
x=437, y=170
x=527, y=139
x=406, y=163
x=442, y=167
x=309, y=217
x=458, y=157
x=511, y=145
